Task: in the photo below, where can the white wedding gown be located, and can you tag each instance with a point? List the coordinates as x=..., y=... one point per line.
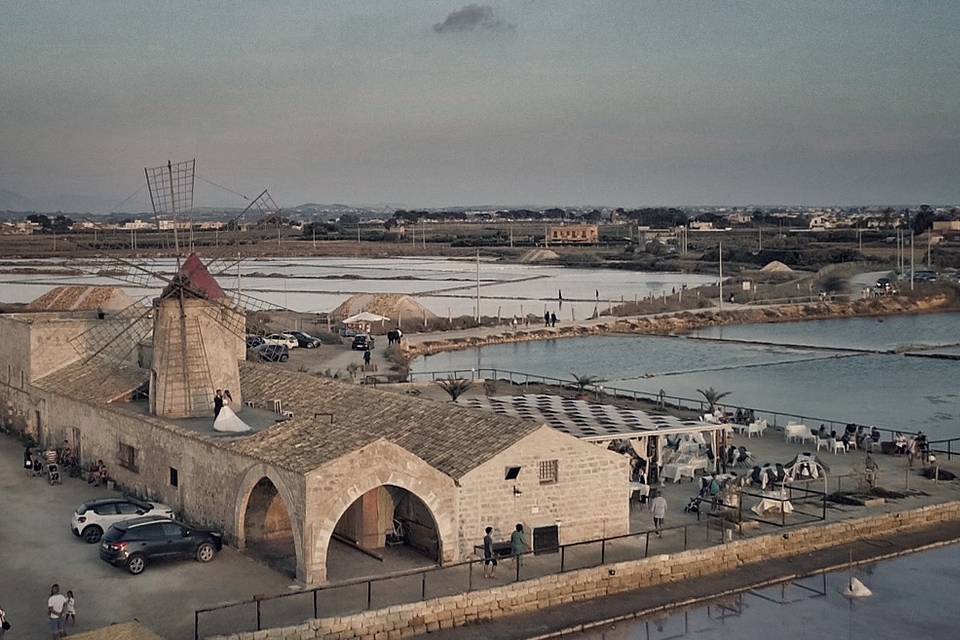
x=228, y=422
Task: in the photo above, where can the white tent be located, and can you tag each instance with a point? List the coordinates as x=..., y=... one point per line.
x=365, y=317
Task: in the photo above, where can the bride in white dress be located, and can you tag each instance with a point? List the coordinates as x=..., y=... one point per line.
x=227, y=421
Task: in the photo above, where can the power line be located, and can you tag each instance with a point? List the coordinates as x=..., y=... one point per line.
x=220, y=186
x=128, y=198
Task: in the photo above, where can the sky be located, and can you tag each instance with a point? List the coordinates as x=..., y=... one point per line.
x=438, y=103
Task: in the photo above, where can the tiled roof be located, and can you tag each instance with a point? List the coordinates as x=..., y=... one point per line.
x=94, y=381
x=81, y=298
x=450, y=438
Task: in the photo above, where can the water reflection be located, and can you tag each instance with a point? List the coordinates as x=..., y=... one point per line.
x=914, y=597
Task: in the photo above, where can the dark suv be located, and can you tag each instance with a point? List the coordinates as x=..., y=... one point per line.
x=133, y=543
x=362, y=342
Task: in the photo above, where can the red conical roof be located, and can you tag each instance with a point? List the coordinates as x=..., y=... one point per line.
x=199, y=280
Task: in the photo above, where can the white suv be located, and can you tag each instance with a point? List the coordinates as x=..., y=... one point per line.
x=284, y=339
x=92, y=518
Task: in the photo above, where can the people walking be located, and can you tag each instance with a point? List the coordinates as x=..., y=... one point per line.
x=658, y=508
x=518, y=544
x=56, y=610
x=489, y=557
x=366, y=358
x=553, y=319
x=546, y=318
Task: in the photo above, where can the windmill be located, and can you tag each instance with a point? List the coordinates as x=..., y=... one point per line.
x=198, y=329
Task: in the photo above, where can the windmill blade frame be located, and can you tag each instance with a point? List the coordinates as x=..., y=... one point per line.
x=116, y=335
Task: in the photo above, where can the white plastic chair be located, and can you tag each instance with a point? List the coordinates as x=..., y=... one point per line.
x=823, y=442
x=838, y=447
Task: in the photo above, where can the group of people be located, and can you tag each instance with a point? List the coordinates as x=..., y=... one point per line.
x=549, y=319
x=49, y=462
x=743, y=416
x=518, y=547
x=61, y=611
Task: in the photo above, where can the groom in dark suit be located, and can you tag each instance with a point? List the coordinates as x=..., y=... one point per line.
x=217, y=403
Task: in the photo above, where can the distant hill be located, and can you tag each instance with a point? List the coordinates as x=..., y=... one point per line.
x=12, y=201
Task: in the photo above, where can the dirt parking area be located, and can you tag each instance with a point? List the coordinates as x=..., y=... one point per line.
x=37, y=549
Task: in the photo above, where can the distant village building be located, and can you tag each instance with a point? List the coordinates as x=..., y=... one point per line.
x=701, y=225
x=574, y=234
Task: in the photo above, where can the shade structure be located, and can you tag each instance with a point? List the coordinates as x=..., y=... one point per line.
x=365, y=316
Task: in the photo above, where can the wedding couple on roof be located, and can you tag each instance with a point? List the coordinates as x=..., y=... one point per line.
x=225, y=418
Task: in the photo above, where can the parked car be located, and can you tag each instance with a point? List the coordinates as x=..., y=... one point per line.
x=134, y=543
x=362, y=342
x=272, y=352
x=883, y=285
x=306, y=340
x=284, y=339
x=254, y=341
x=347, y=332
x=92, y=518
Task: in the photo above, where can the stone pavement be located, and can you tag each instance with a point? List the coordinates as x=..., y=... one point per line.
x=575, y=616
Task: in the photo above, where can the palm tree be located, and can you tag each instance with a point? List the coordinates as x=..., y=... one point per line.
x=455, y=387
x=585, y=381
x=712, y=396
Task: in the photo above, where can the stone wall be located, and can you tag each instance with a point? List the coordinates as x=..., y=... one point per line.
x=590, y=498
x=417, y=618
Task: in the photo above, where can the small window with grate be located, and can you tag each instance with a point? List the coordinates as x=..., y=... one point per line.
x=127, y=457
x=174, y=477
x=548, y=471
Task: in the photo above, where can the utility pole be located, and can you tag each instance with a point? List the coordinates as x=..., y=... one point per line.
x=314, y=236
x=238, y=273
x=760, y=238
x=721, y=275
x=911, y=259
x=929, y=246
x=358, y=233
x=478, y=286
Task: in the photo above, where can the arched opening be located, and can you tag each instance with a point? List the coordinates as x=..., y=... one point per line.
x=386, y=529
x=268, y=533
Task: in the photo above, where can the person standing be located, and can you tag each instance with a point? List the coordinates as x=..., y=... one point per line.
x=56, y=610
x=28, y=459
x=553, y=319
x=70, y=617
x=217, y=403
x=518, y=545
x=4, y=623
x=546, y=318
x=658, y=508
x=366, y=358
x=489, y=557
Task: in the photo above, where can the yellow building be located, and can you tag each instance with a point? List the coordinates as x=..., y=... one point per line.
x=575, y=234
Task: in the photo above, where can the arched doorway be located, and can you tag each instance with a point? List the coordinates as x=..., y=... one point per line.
x=268, y=532
x=386, y=529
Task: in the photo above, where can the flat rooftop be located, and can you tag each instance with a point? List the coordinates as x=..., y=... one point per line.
x=257, y=419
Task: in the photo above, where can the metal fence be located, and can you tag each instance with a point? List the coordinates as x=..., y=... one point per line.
x=945, y=446
x=361, y=594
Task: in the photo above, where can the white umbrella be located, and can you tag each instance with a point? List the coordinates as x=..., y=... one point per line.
x=365, y=316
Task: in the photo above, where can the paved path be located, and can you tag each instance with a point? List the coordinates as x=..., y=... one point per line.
x=573, y=615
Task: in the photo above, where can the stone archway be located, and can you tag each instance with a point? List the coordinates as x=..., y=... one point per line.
x=265, y=525
x=386, y=529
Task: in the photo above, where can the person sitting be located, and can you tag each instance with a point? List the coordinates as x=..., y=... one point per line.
x=739, y=418
x=900, y=442
x=98, y=475
x=875, y=434
x=822, y=432
x=861, y=437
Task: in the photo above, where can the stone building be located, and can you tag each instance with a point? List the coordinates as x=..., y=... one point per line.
x=324, y=461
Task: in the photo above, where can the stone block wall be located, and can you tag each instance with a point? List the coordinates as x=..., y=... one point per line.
x=407, y=620
x=589, y=500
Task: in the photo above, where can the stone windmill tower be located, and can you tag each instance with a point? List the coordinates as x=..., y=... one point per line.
x=198, y=330
x=196, y=347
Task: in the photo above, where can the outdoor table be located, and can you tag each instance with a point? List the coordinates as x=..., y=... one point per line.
x=772, y=503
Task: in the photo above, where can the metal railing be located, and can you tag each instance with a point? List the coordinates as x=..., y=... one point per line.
x=414, y=585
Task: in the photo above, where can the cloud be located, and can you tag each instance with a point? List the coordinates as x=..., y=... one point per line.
x=473, y=17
